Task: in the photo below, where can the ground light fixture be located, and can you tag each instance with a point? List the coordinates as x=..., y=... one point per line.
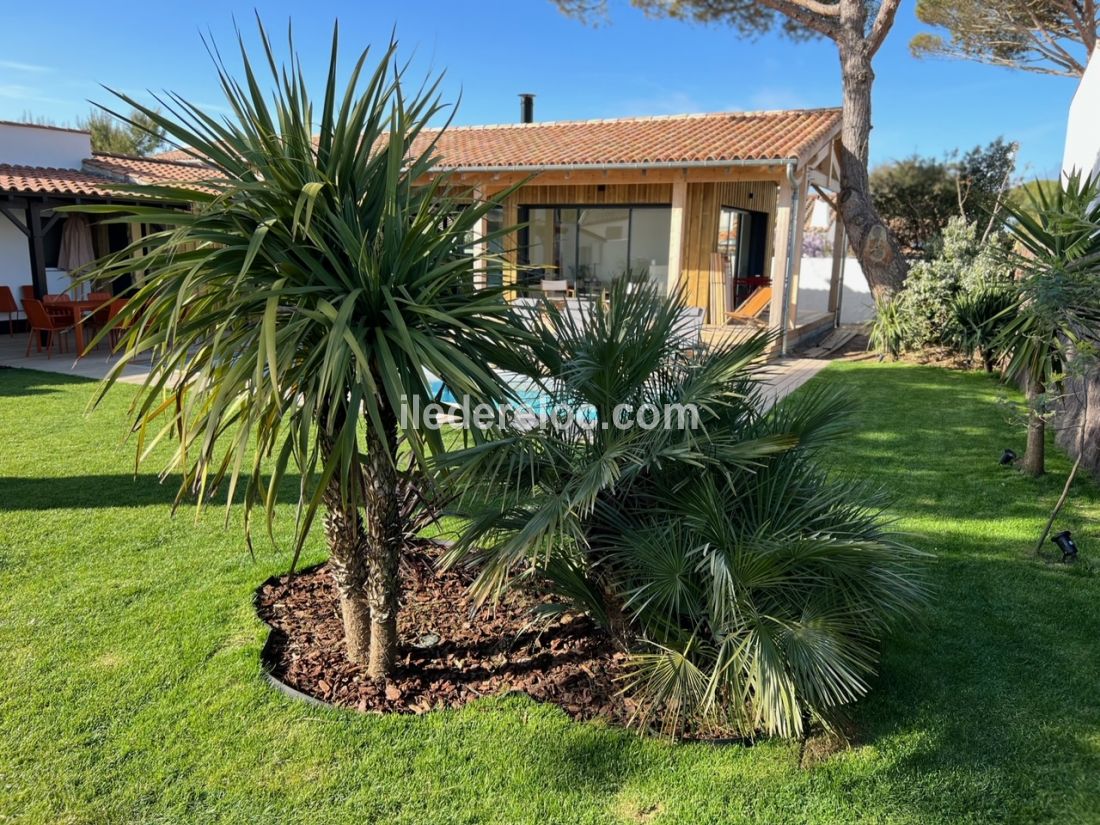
x=1007, y=457
x=1065, y=543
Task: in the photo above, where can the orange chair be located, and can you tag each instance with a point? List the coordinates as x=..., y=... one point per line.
x=8, y=305
x=61, y=313
x=120, y=329
x=101, y=314
x=40, y=321
x=26, y=293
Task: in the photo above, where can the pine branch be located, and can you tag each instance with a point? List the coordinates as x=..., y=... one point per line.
x=820, y=17
x=884, y=21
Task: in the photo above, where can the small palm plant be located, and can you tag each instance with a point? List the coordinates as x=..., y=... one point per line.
x=888, y=333
x=1057, y=294
x=750, y=590
x=319, y=273
x=980, y=315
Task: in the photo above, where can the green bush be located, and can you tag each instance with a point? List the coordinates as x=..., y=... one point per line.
x=888, y=334
x=928, y=307
x=750, y=590
x=979, y=316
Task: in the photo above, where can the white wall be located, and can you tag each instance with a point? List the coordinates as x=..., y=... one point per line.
x=25, y=145
x=15, y=258
x=1083, y=130
x=856, y=306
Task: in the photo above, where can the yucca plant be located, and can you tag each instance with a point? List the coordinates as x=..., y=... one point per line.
x=980, y=314
x=1057, y=306
x=319, y=273
x=750, y=590
x=888, y=330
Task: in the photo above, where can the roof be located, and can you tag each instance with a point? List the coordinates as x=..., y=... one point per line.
x=148, y=170
x=99, y=176
x=674, y=140
x=49, y=180
x=178, y=155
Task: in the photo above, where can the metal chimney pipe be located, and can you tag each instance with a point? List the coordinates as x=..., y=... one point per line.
x=526, y=108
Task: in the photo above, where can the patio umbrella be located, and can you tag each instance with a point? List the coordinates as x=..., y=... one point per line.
x=76, y=245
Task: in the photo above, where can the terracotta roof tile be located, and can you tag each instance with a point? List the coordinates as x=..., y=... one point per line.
x=99, y=176
x=48, y=180
x=147, y=170
x=178, y=155
x=670, y=140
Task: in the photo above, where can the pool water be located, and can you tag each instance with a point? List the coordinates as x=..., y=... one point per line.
x=531, y=399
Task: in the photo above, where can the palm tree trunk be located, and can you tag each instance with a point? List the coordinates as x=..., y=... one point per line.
x=384, y=539
x=1035, y=455
x=348, y=564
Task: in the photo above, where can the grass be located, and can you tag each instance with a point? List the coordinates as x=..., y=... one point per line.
x=130, y=689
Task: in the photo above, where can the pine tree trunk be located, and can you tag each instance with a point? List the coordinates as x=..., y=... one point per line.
x=348, y=564
x=874, y=245
x=384, y=539
x=1035, y=455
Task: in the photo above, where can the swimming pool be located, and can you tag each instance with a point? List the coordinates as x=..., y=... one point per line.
x=532, y=402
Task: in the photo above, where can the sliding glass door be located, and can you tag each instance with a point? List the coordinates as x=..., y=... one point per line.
x=742, y=239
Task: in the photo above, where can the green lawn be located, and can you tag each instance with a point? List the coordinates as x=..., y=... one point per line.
x=130, y=688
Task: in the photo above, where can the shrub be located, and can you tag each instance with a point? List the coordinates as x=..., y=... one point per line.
x=963, y=263
x=750, y=590
x=979, y=315
x=888, y=332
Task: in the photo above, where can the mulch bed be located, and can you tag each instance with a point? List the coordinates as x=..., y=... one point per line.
x=448, y=655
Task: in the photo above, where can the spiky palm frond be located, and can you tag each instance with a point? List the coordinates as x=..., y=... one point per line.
x=1058, y=289
x=313, y=280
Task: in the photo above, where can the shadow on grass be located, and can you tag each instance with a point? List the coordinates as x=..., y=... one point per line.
x=104, y=491
x=15, y=382
x=993, y=694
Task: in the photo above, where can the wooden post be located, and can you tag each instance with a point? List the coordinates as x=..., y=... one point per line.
x=35, y=242
x=676, y=234
x=781, y=245
x=481, y=275
x=799, y=227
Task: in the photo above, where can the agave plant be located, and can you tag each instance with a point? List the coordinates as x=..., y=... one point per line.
x=315, y=279
x=750, y=590
x=1057, y=300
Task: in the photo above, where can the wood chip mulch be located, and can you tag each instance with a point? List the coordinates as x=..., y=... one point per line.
x=448, y=655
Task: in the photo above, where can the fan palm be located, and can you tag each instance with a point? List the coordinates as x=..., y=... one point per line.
x=749, y=589
x=299, y=302
x=1057, y=306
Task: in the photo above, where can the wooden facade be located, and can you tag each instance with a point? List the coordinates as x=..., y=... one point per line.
x=701, y=208
x=696, y=197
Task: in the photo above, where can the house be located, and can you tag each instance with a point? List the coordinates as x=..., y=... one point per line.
x=44, y=167
x=714, y=203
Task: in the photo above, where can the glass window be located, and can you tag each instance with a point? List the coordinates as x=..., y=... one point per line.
x=567, y=246
x=649, y=230
x=591, y=246
x=603, y=246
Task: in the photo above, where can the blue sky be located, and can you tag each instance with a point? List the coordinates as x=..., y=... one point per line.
x=493, y=49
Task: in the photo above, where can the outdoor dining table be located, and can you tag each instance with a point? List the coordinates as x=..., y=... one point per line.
x=78, y=308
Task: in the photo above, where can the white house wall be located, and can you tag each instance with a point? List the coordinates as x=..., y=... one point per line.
x=1082, y=151
x=24, y=145
x=856, y=306
x=15, y=258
